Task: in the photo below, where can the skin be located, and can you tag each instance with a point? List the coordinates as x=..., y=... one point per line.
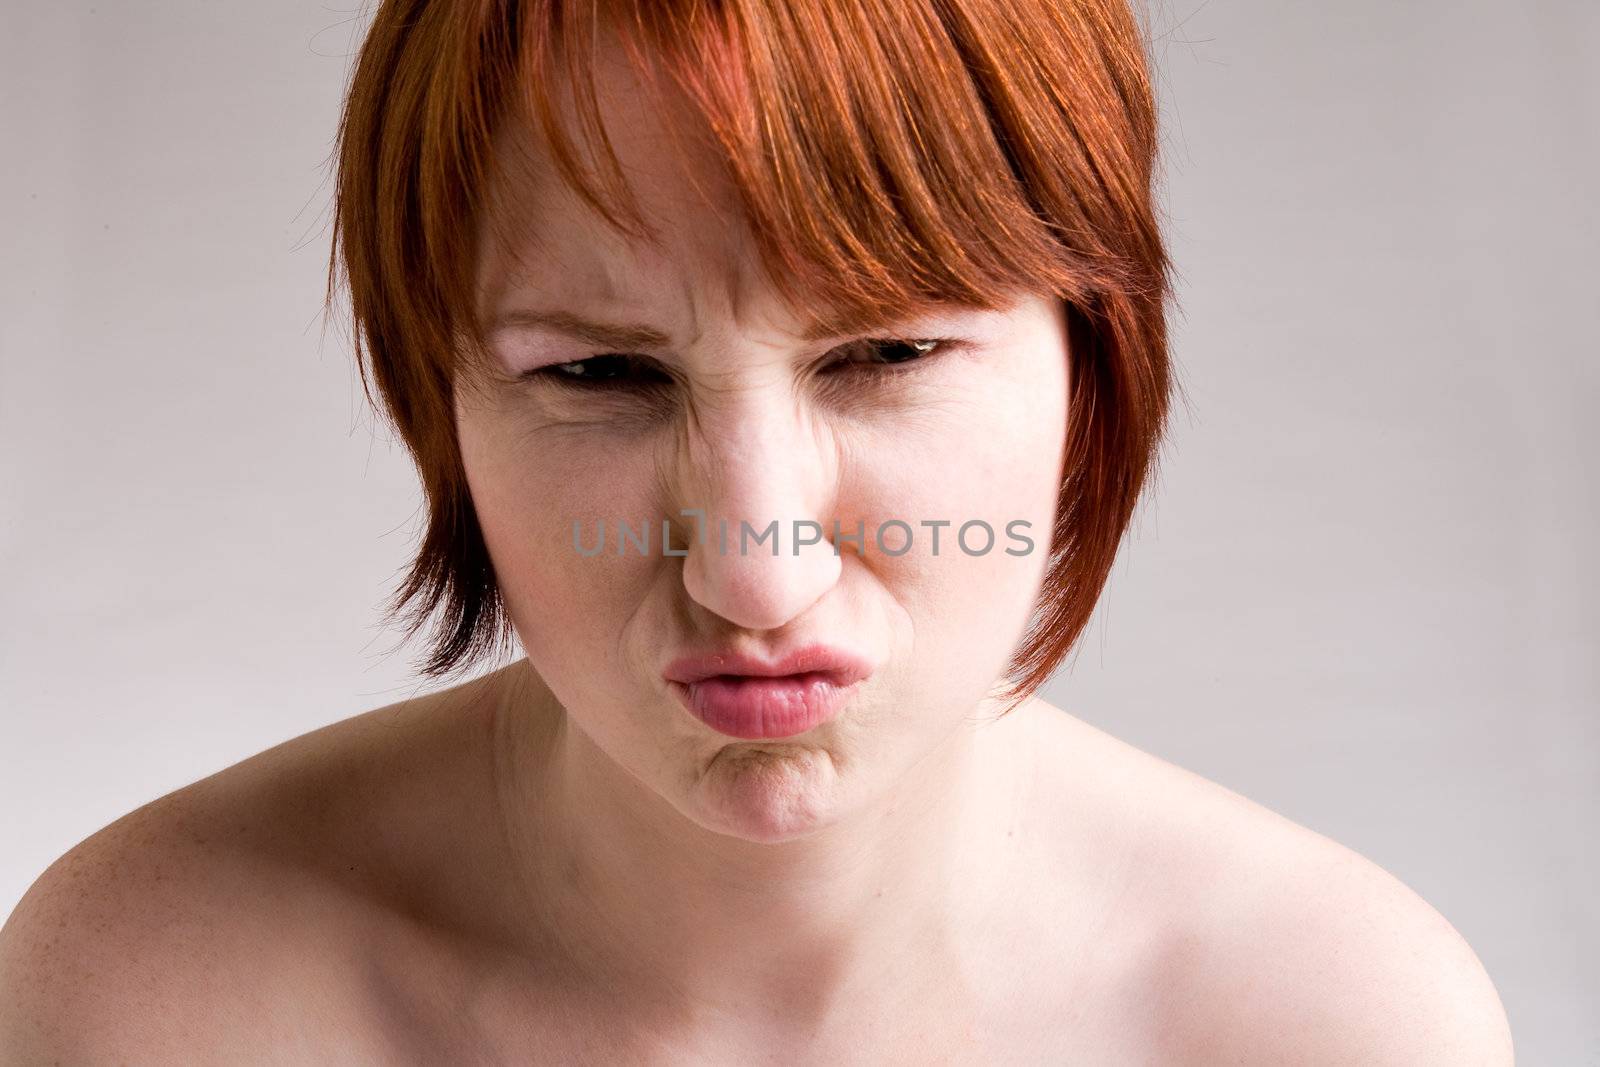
x=557, y=863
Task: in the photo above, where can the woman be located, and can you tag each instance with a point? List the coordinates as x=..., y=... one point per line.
x=782, y=377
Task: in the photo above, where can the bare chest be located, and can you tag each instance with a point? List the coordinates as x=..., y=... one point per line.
x=1025, y=1004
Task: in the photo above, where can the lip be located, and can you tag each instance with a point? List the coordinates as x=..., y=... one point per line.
x=842, y=666
x=751, y=697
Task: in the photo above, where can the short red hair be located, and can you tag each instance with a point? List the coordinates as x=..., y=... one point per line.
x=887, y=153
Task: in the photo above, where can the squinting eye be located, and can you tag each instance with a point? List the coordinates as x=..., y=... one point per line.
x=609, y=371
x=885, y=355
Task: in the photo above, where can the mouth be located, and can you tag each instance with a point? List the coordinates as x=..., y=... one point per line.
x=763, y=707
x=839, y=665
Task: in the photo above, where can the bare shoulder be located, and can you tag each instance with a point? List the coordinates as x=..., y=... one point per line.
x=223, y=921
x=1266, y=942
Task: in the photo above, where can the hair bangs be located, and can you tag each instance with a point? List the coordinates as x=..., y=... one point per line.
x=863, y=152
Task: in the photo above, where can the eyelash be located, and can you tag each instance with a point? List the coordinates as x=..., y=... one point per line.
x=935, y=346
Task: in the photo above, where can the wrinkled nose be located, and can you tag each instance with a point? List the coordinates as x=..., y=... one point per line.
x=763, y=552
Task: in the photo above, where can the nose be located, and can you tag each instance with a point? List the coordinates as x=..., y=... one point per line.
x=762, y=477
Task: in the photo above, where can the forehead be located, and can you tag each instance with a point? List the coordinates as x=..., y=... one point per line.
x=538, y=234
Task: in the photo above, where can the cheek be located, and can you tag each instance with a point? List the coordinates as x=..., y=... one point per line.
x=995, y=458
x=992, y=460
x=528, y=490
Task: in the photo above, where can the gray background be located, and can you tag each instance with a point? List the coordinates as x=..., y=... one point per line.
x=1362, y=592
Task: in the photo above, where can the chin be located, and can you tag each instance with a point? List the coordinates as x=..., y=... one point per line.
x=768, y=791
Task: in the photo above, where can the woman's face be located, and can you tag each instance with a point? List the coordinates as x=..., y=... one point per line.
x=733, y=412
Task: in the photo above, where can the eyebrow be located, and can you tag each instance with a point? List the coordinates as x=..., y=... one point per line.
x=609, y=335
x=629, y=336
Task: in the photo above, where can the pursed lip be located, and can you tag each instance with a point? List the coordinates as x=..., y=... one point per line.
x=839, y=666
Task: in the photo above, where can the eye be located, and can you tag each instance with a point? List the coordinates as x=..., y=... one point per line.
x=609, y=371
x=880, y=355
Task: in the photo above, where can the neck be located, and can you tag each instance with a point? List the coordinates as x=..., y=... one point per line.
x=641, y=898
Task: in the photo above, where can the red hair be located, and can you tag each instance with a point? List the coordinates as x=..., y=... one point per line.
x=887, y=154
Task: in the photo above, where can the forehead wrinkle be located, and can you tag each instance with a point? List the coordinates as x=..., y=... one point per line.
x=725, y=285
